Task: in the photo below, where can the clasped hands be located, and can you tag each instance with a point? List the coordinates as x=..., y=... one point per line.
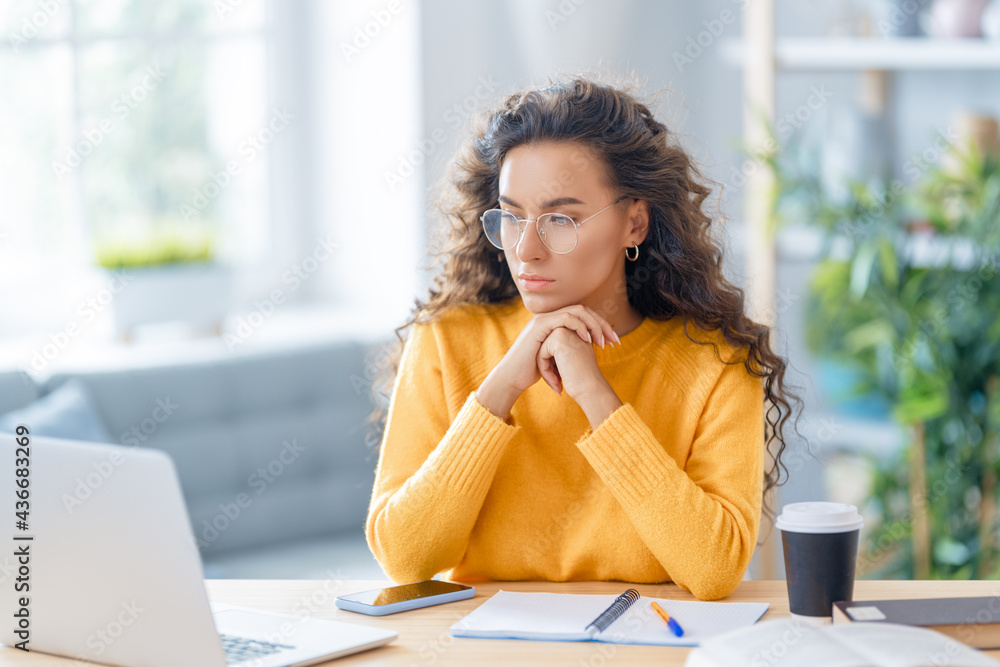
x=558, y=347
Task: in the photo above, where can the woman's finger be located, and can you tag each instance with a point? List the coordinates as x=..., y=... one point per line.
x=548, y=371
x=594, y=329
x=607, y=330
x=574, y=323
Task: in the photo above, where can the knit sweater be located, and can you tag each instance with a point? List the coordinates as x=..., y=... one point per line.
x=667, y=488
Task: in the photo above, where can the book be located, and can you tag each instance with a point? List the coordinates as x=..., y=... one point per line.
x=790, y=642
x=617, y=619
x=974, y=621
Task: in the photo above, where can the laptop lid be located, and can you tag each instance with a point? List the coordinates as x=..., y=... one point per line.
x=113, y=571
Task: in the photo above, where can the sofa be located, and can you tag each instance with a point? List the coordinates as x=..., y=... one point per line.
x=269, y=444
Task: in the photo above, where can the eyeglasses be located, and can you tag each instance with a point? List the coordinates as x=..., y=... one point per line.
x=557, y=231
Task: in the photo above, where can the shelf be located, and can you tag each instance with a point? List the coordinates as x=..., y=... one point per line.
x=805, y=244
x=862, y=53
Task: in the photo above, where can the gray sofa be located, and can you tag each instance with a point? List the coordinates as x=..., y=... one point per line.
x=269, y=445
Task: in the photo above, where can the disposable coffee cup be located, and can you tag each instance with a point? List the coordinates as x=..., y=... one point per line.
x=820, y=543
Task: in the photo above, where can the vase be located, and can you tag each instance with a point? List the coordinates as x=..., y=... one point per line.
x=991, y=20
x=897, y=18
x=954, y=18
x=197, y=294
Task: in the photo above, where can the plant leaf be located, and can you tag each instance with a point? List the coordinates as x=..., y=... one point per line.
x=887, y=260
x=861, y=269
x=870, y=334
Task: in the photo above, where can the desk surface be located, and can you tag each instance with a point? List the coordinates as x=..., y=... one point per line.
x=425, y=640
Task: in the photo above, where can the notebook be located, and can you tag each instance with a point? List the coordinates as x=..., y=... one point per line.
x=975, y=621
x=788, y=642
x=565, y=617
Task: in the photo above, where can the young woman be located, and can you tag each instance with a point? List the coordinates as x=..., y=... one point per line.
x=579, y=254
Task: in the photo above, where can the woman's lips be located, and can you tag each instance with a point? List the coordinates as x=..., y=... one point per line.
x=535, y=284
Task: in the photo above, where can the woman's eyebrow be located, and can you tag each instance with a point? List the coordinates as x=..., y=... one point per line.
x=561, y=201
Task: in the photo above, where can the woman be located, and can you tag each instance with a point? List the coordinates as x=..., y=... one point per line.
x=578, y=254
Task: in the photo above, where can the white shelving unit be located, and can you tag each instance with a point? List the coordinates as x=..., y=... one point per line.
x=868, y=53
x=762, y=56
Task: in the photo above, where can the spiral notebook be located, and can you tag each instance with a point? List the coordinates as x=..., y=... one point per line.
x=625, y=619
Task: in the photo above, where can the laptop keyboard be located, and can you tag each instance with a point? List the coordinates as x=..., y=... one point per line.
x=241, y=649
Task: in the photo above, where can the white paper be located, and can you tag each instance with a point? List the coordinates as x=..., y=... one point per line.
x=699, y=620
x=788, y=642
x=564, y=617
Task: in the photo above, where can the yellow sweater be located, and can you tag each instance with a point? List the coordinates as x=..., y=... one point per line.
x=668, y=488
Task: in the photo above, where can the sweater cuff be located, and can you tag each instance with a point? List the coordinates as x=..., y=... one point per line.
x=627, y=456
x=471, y=451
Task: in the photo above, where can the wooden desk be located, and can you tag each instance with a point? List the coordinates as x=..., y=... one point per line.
x=424, y=637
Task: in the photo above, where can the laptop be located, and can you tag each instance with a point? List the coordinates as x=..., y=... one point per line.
x=114, y=575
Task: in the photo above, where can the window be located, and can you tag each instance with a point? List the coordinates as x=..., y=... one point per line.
x=119, y=117
x=242, y=116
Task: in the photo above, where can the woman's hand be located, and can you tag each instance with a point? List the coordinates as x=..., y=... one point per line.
x=568, y=363
x=519, y=368
x=522, y=360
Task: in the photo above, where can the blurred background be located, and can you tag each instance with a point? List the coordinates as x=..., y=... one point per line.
x=214, y=213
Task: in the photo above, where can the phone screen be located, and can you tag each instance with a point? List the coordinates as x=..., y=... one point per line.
x=420, y=589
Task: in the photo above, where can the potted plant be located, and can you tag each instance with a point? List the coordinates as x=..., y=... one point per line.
x=907, y=293
x=169, y=273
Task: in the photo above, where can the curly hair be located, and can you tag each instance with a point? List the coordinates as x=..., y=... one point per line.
x=680, y=273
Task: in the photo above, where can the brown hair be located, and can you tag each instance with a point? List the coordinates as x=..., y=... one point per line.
x=679, y=273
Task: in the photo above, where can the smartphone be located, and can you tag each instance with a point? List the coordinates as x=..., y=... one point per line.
x=382, y=601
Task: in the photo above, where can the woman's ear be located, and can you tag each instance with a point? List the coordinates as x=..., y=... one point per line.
x=638, y=217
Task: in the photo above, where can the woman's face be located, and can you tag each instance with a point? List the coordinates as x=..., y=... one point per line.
x=564, y=177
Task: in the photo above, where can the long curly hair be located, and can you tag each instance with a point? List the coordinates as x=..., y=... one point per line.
x=679, y=273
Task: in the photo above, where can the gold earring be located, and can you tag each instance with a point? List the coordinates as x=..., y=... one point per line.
x=630, y=257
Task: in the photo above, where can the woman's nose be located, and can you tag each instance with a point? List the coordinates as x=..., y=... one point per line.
x=530, y=245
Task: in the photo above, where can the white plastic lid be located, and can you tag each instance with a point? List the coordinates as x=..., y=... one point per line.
x=819, y=517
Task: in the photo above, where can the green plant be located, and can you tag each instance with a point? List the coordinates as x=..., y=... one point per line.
x=924, y=332
x=162, y=245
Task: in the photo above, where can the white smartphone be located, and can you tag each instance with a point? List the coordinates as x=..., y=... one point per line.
x=382, y=601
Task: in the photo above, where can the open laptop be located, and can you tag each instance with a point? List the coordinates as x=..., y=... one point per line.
x=114, y=573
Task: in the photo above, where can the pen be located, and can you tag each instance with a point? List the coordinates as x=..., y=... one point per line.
x=671, y=623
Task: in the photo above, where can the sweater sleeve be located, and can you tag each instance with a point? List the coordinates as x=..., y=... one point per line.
x=432, y=476
x=699, y=518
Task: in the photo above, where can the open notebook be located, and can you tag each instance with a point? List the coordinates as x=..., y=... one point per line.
x=788, y=642
x=565, y=617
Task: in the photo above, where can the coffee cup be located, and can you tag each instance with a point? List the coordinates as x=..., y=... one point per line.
x=820, y=544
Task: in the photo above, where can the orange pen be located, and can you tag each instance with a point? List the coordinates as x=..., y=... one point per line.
x=671, y=623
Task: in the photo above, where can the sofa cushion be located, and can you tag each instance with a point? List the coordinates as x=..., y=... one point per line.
x=67, y=412
x=17, y=389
